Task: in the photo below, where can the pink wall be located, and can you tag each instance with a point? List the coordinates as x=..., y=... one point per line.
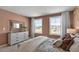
x=5, y=17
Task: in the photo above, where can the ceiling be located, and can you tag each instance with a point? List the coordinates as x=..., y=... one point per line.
x=34, y=11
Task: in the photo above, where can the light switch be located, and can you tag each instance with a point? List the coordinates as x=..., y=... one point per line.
x=3, y=28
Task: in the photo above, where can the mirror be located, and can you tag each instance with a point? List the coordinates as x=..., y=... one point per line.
x=16, y=25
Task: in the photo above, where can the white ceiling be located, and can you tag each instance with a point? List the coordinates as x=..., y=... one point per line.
x=33, y=11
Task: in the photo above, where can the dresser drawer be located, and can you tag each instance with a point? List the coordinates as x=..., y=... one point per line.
x=17, y=37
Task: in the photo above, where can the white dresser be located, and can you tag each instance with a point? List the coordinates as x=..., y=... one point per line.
x=14, y=38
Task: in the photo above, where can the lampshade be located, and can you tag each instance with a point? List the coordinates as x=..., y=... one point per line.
x=71, y=31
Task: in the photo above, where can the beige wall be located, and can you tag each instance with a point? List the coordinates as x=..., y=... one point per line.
x=75, y=18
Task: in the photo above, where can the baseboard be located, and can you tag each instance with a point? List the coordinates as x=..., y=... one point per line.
x=3, y=45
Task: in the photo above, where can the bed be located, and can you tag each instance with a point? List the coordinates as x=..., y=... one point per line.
x=39, y=44
x=45, y=44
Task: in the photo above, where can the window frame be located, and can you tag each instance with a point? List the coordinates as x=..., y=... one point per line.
x=41, y=24
x=50, y=25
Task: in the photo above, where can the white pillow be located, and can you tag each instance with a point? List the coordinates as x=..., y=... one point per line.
x=57, y=43
x=77, y=35
x=75, y=46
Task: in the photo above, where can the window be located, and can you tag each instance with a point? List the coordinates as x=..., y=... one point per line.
x=55, y=25
x=38, y=25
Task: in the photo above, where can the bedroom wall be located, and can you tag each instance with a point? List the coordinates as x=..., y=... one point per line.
x=5, y=17
x=75, y=18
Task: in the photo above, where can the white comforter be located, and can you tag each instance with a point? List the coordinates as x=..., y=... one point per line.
x=33, y=45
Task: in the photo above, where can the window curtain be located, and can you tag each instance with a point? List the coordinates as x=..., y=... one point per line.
x=32, y=27
x=65, y=23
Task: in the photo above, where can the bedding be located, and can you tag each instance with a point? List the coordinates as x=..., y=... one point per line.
x=75, y=46
x=66, y=37
x=67, y=42
x=39, y=44
x=31, y=44
x=47, y=46
x=57, y=43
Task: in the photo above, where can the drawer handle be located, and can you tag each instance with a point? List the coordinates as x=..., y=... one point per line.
x=16, y=37
x=16, y=40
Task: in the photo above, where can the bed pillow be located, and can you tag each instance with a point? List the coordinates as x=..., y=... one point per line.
x=77, y=35
x=67, y=44
x=66, y=36
x=75, y=46
x=57, y=43
x=70, y=44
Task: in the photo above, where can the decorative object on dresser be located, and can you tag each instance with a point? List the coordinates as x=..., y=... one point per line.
x=17, y=37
